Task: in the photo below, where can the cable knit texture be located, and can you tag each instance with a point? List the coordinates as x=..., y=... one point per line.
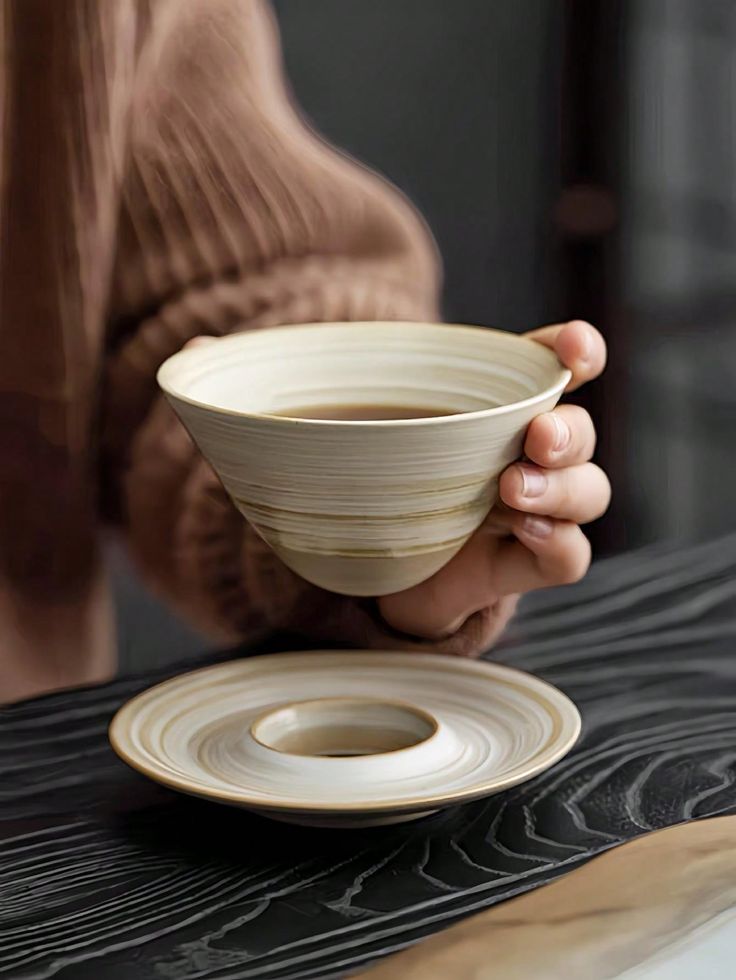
x=157, y=184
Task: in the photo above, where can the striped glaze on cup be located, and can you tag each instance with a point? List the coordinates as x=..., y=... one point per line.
x=363, y=508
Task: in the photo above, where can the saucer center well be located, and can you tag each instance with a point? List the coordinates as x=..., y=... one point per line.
x=342, y=727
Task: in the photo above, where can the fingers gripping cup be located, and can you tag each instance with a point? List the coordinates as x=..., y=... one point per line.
x=364, y=454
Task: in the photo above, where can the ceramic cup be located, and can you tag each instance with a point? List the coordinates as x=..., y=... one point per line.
x=363, y=508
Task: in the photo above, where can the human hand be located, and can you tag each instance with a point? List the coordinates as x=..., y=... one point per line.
x=532, y=538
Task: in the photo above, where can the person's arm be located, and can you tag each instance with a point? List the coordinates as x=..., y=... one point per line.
x=235, y=217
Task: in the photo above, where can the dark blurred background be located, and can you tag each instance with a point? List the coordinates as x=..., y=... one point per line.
x=573, y=158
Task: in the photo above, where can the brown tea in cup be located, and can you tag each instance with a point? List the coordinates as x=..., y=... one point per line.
x=364, y=413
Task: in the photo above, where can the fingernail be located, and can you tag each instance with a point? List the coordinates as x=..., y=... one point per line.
x=538, y=527
x=534, y=481
x=562, y=433
x=586, y=347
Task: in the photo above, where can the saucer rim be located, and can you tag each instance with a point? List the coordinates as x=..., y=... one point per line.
x=565, y=739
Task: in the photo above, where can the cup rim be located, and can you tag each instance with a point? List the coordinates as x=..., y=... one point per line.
x=166, y=382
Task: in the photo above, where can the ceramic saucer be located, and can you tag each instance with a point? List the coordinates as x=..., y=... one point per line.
x=346, y=738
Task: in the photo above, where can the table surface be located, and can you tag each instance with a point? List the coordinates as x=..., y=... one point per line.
x=659, y=907
x=103, y=874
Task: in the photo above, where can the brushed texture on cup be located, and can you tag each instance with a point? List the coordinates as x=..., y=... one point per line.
x=363, y=508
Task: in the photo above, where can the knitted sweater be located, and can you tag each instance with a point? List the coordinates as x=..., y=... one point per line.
x=156, y=184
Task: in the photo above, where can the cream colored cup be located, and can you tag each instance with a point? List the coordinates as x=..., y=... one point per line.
x=363, y=508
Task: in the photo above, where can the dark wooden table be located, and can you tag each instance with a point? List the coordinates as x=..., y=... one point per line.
x=104, y=875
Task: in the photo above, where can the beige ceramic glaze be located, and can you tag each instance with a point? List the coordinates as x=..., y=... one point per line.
x=279, y=734
x=336, y=727
x=363, y=508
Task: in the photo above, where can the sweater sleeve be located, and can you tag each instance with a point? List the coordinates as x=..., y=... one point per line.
x=236, y=216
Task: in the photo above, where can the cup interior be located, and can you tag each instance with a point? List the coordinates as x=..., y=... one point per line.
x=441, y=367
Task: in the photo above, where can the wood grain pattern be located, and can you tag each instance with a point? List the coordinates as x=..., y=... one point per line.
x=103, y=874
x=612, y=914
